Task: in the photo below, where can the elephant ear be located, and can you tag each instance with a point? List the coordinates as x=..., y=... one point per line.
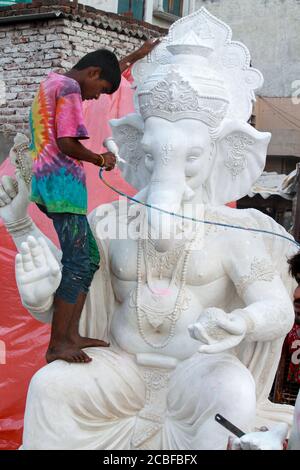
x=128, y=132
x=240, y=156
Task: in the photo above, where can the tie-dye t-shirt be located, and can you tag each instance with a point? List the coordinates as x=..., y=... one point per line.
x=58, y=181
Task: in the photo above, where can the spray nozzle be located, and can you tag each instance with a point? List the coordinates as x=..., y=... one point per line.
x=112, y=147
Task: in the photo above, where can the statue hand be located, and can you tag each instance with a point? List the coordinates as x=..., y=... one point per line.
x=38, y=273
x=218, y=331
x=14, y=198
x=268, y=440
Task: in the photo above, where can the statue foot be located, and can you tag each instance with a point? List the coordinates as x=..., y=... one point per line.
x=67, y=351
x=84, y=342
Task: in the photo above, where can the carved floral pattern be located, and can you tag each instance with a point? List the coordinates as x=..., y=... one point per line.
x=130, y=140
x=166, y=153
x=150, y=418
x=236, y=160
x=173, y=98
x=260, y=270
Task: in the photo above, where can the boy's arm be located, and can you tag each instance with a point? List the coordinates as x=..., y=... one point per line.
x=144, y=50
x=70, y=128
x=73, y=148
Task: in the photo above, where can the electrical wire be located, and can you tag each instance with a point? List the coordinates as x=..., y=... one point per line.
x=277, y=108
x=202, y=221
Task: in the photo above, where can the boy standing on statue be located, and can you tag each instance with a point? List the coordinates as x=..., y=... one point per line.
x=59, y=188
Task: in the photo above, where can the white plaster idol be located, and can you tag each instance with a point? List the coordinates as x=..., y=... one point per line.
x=195, y=324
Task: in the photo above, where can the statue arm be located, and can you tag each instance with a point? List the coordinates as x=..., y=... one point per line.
x=38, y=275
x=268, y=313
x=43, y=261
x=14, y=202
x=268, y=310
x=38, y=270
x=21, y=229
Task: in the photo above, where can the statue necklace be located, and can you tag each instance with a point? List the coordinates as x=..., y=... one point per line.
x=156, y=315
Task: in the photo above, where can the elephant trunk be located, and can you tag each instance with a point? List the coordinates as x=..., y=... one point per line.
x=165, y=197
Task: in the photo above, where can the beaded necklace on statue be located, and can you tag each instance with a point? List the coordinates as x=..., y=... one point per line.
x=157, y=314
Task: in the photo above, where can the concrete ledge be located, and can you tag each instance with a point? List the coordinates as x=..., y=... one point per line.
x=163, y=15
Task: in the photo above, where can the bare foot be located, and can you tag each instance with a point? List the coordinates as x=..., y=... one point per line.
x=67, y=351
x=84, y=342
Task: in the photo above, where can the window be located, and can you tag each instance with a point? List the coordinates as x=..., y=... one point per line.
x=7, y=3
x=134, y=8
x=173, y=6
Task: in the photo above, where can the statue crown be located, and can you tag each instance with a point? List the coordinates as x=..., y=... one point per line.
x=213, y=78
x=174, y=98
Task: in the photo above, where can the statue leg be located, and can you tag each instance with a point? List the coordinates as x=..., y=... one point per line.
x=201, y=387
x=84, y=406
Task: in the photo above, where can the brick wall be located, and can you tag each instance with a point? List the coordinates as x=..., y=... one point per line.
x=30, y=49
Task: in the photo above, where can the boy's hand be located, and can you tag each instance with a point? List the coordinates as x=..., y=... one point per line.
x=74, y=149
x=139, y=54
x=110, y=161
x=147, y=47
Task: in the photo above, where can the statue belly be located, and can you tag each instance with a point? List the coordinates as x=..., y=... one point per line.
x=155, y=326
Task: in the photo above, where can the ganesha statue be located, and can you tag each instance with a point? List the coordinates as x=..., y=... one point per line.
x=195, y=302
